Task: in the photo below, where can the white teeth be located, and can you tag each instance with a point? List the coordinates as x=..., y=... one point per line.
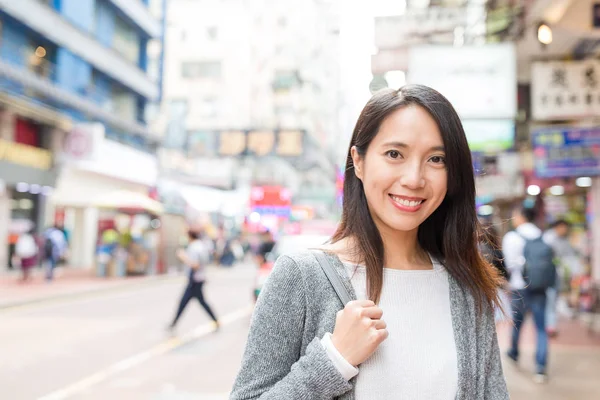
x=406, y=203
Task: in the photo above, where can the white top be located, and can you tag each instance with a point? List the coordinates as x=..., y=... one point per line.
x=513, y=245
x=198, y=252
x=418, y=360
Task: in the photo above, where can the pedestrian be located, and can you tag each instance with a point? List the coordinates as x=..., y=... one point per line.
x=195, y=257
x=568, y=264
x=266, y=246
x=55, y=247
x=529, y=261
x=27, y=251
x=420, y=320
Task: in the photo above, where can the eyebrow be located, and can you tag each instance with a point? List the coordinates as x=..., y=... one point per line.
x=404, y=145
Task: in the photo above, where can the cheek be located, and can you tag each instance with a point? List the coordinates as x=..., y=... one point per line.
x=440, y=184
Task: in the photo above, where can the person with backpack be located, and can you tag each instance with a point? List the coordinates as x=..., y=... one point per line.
x=530, y=263
x=55, y=246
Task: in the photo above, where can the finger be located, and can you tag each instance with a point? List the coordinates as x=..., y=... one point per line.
x=359, y=304
x=380, y=324
x=371, y=312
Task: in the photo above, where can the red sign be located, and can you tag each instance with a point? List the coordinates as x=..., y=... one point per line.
x=270, y=196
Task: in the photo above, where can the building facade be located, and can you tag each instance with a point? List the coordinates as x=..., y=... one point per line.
x=79, y=80
x=263, y=65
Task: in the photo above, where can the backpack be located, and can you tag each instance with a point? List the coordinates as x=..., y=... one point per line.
x=540, y=271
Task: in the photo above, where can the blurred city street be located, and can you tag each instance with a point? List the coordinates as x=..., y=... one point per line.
x=113, y=344
x=157, y=151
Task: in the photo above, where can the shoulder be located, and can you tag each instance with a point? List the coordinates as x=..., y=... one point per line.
x=301, y=262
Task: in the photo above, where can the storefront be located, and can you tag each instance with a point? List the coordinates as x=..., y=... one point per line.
x=26, y=178
x=100, y=168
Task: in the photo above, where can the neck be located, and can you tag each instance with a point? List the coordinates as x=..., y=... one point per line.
x=402, y=250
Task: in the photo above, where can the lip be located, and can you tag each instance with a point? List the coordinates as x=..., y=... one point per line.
x=405, y=208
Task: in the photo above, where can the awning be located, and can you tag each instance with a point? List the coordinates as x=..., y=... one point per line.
x=129, y=201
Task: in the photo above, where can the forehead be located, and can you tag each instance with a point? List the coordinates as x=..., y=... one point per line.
x=411, y=125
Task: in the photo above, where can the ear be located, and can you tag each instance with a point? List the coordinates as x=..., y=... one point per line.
x=358, y=163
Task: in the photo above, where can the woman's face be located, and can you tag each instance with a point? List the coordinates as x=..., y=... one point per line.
x=403, y=172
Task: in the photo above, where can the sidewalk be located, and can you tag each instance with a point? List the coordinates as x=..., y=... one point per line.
x=68, y=282
x=573, y=363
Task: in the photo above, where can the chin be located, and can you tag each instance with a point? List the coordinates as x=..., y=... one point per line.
x=403, y=224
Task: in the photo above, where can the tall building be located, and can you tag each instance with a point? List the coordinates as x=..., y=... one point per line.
x=78, y=79
x=254, y=65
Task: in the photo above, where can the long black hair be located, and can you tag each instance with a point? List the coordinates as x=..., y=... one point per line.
x=450, y=234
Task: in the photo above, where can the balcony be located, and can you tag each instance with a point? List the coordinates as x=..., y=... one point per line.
x=21, y=74
x=138, y=13
x=46, y=21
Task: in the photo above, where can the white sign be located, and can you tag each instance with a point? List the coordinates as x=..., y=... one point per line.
x=479, y=81
x=565, y=89
x=83, y=142
x=397, y=31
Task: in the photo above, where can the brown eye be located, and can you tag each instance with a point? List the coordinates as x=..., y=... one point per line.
x=394, y=154
x=438, y=160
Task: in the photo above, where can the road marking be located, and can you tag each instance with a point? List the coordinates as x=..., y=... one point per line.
x=137, y=359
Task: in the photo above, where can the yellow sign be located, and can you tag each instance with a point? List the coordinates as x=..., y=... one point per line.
x=290, y=143
x=261, y=143
x=232, y=143
x=23, y=154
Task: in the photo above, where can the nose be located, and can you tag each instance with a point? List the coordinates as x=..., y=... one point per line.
x=412, y=176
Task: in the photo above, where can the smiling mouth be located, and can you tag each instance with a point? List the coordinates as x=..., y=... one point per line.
x=407, y=202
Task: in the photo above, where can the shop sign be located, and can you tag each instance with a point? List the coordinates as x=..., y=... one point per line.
x=479, y=81
x=283, y=143
x=490, y=136
x=28, y=156
x=84, y=141
x=397, y=30
x=565, y=152
x=565, y=89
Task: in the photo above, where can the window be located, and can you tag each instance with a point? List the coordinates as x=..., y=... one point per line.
x=124, y=103
x=126, y=40
x=201, y=69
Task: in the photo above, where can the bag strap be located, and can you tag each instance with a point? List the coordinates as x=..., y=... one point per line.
x=334, y=278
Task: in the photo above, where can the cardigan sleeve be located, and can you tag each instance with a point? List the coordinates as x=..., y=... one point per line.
x=495, y=384
x=273, y=366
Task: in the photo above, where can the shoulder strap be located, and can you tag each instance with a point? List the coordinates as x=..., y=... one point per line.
x=333, y=277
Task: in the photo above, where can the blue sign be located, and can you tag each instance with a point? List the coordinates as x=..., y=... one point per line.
x=565, y=152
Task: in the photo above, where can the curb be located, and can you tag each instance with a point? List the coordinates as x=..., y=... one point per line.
x=91, y=292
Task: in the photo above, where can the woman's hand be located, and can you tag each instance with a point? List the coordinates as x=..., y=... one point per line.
x=358, y=331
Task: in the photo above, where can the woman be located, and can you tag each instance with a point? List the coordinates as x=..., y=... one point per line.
x=421, y=325
x=195, y=257
x=27, y=251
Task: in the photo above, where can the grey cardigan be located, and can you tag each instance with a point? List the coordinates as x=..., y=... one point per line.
x=284, y=358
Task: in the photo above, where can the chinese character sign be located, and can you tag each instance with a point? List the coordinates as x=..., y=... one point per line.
x=290, y=143
x=563, y=152
x=563, y=90
x=232, y=143
x=283, y=143
x=261, y=143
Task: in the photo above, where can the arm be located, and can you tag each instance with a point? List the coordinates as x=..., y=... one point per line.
x=495, y=384
x=272, y=367
x=513, y=252
x=185, y=259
